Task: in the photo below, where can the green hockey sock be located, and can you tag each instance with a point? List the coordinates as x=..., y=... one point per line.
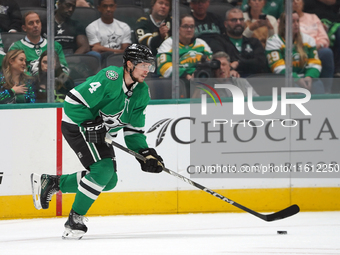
x=69, y=182
x=90, y=186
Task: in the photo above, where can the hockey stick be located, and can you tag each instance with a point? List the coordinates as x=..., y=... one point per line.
x=287, y=212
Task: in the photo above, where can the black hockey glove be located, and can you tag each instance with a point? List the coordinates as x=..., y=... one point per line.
x=154, y=163
x=95, y=130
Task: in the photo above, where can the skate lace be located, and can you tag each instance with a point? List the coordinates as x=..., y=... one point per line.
x=51, y=193
x=79, y=219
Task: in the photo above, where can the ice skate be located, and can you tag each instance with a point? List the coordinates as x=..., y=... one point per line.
x=74, y=226
x=43, y=188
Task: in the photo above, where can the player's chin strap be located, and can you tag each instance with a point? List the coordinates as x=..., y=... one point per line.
x=130, y=92
x=132, y=77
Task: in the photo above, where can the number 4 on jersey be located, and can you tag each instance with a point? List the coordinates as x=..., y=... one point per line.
x=94, y=86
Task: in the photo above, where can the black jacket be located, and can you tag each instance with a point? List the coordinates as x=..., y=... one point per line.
x=211, y=24
x=10, y=16
x=323, y=11
x=252, y=58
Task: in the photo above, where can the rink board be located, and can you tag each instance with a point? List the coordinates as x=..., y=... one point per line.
x=31, y=143
x=186, y=201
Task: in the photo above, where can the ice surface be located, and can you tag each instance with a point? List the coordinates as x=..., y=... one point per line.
x=220, y=233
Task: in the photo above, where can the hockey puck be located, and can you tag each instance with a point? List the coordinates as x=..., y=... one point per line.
x=282, y=232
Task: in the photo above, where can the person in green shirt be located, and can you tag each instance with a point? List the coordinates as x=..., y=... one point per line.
x=247, y=55
x=34, y=45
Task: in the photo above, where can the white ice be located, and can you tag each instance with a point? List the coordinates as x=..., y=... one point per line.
x=220, y=233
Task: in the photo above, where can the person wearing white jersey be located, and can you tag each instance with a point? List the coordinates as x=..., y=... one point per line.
x=108, y=35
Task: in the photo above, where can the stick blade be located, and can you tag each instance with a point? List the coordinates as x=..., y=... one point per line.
x=285, y=213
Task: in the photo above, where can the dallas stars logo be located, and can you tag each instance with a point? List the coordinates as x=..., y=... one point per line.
x=112, y=75
x=113, y=37
x=60, y=31
x=113, y=121
x=37, y=49
x=248, y=48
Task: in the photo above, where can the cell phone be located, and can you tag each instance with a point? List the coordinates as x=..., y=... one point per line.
x=263, y=16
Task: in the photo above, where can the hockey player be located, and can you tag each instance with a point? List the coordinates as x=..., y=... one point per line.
x=113, y=99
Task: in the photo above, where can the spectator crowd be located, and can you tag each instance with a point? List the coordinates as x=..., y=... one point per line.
x=248, y=41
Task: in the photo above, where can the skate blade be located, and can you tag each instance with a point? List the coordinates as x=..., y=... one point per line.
x=72, y=234
x=36, y=188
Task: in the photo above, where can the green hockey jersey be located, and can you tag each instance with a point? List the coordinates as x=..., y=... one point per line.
x=275, y=51
x=105, y=94
x=189, y=55
x=34, y=51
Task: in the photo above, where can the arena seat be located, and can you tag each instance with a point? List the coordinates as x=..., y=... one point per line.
x=160, y=88
x=220, y=8
x=114, y=60
x=130, y=2
x=184, y=9
x=85, y=15
x=82, y=66
x=9, y=38
x=31, y=3
x=129, y=14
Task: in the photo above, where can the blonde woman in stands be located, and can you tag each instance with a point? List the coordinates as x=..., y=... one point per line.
x=306, y=64
x=311, y=25
x=15, y=85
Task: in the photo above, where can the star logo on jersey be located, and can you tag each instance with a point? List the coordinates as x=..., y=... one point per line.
x=3, y=9
x=34, y=66
x=248, y=48
x=112, y=75
x=60, y=31
x=113, y=121
x=113, y=37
